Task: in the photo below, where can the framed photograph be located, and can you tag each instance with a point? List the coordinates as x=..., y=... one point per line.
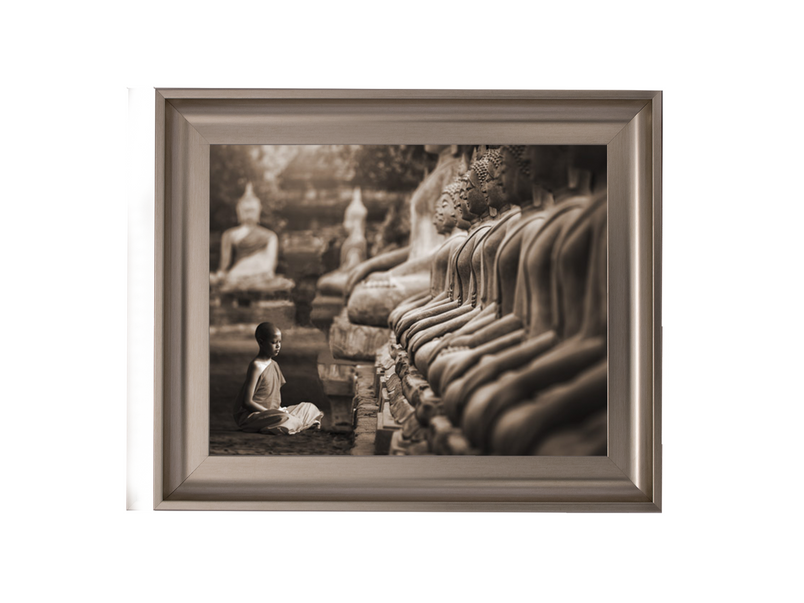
x=408, y=300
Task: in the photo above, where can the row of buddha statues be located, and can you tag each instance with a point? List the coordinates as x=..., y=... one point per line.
x=498, y=308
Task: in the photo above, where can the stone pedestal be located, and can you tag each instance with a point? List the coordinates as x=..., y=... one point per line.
x=386, y=426
x=339, y=381
x=366, y=410
x=325, y=309
x=355, y=342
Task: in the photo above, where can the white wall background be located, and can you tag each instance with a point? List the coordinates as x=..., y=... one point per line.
x=76, y=303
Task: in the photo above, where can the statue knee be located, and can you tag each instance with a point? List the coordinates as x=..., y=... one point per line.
x=452, y=402
x=443, y=344
x=421, y=357
x=517, y=430
x=485, y=406
x=457, y=364
x=436, y=369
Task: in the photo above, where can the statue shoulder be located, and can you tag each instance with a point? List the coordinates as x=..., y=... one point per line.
x=265, y=234
x=265, y=230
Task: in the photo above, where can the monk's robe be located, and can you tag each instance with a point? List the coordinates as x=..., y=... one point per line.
x=277, y=420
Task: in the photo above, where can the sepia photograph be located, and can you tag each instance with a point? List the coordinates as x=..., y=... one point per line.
x=408, y=300
x=263, y=296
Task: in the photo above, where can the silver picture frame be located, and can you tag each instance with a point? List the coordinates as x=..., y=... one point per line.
x=186, y=477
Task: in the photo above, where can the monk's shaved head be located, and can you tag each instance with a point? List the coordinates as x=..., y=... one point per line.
x=265, y=331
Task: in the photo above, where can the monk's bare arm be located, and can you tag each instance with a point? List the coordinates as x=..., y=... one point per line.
x=252, y=375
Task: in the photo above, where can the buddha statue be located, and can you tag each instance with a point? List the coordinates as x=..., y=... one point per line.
x=353, y=250
x=561, y=390
x=453, y=352
x=507, y=188
x=567, y=419
x=448, y=222
x=530, y=328
x=547, y=169
x=459, y=295
x=575, y=342
x=251, y=250
x=446, y=302
x=377, y=286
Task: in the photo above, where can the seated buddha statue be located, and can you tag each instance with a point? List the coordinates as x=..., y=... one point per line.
x=588, y=437
x=453, y=352
x=568, y=419
x=466, y=275
x=578, y=337
x=353, y=250
x=548, y=170
x=377, y=286
x=550, y=404
x=423, y=332
x=448, y=222
x=507, y=188
x=249, y=252
x=528, y=330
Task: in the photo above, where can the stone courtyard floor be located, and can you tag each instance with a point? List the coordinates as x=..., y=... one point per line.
x=307, y=443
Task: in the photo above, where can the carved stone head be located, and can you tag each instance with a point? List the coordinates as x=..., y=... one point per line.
x=516, y=174
x=474, y=202
x=438, y=213
x=452, y=207
x=494, y=185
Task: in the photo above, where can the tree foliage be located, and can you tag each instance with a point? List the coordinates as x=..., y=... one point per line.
x=231, y=168
x=388, y=167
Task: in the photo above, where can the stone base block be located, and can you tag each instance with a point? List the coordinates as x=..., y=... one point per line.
x=400, y=409
x=325, y=309
x=383, y=357
x=279, y=289
x=340, y=382
x=342, y=412
x=386, y=426
x=365, y=412
x=338, y=379
x=355, y=342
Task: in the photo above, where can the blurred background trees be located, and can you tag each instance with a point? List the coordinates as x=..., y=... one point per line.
x=306, y=188
x=231, y=168
x=389, y=167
